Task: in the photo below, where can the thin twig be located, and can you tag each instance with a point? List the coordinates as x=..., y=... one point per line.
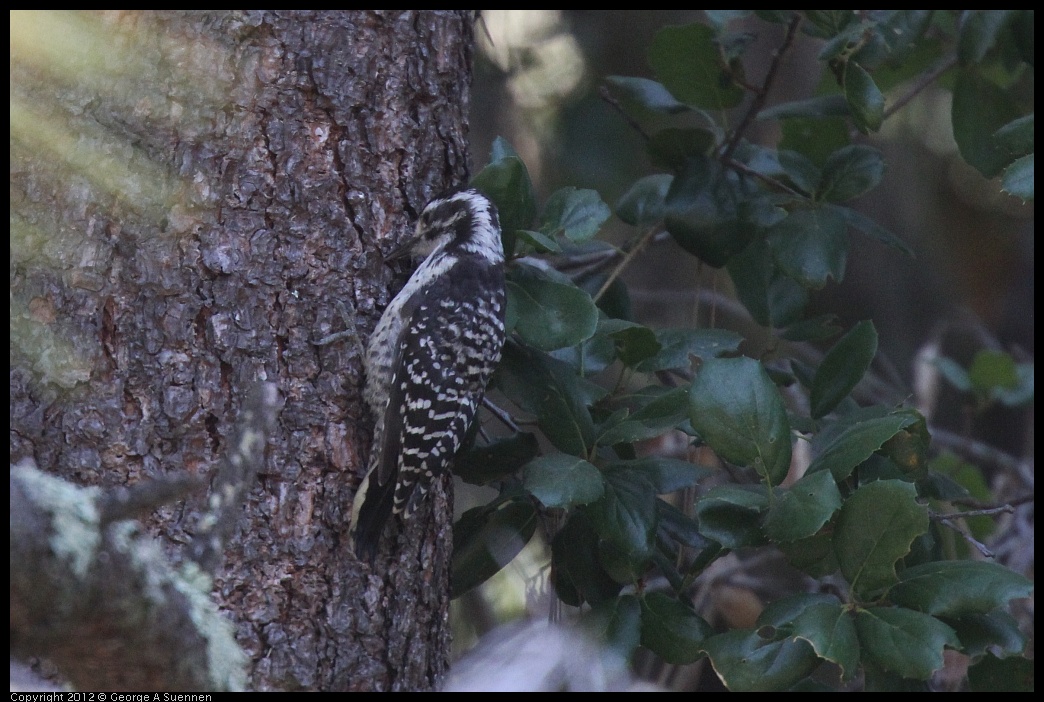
x=922, y=83
x=604, y=93
x=762, y=94
x=1003, y=509
x=979, y=546
x=646, y=238
x=501, y=414
x=771, y=182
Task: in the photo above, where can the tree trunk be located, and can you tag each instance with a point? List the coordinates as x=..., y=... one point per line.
x=196, y=199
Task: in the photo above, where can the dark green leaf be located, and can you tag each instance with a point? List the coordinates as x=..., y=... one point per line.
x=671, y=629
x=731, y=515
x=579, y=576
x=978, y=33
x=677, y=346
x=843, y=367
x=875, y=528
x=672, y=147
x=634, y=343
x=663, y=474
x=1018, y=178
x=865, y=101
x=645, y=93
x=626, y=514
x=642, y=204
x=576, y=213
x=979, y=109
x=688, y=63
x=871, y=228
x=842, y=451
x=485, y=540
x=495, y=461
x=703, y=212
x=816, y=138
x=817, y=108
x=560, y=480
x=506, y=182
x=772, y=298
x=811, y=246
x=957, y=588
x=995, y=631
x=745, y=662
x=902, y=641
x=847, y=41
x=1016, y=137
x=814, y=555
x=850, y=172
x=821, y=621
x=738, y=411
x=551, y=315
x=992, y=675
x=803, y=509
x=552, y=391
x=540, y=242
x=665, y=410
x=829, y=23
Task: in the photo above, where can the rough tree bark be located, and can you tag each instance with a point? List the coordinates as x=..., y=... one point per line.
x=187, y=214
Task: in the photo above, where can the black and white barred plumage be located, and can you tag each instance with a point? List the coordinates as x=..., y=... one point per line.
x=430, y=357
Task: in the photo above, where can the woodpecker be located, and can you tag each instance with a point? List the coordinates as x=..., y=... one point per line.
x=430, y=358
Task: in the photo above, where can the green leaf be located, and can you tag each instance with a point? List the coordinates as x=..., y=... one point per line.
x=506, y=182
x=703, y=212
x=672, y=147
x=816, y=138
x=497, y=460
x=820, y=620
x=731, y=515
x=646, y=94
x=995, y=631
x=992, y=370
x=817, y=328
x=577, y=213
x=551, y=390
x=814, y=555
x=992, y=675
x=634, y=343
x=818, y=107
x=616, y=624
x=1018, y=178
x=875, y=528
x=579, y=576
x=843, y=367
x=485, y=540
x=746, y=662
x=737, y=409
x=688, y=63
x=811, y=246
x=772, y=298
x=957, y=588
x=540, y=242
x=865, y=101
x=664, y=475
x=1016, y=137
x=642, y=204
x=803, y=509
x=854, y=442
x=626, y=514
x=979, y=109
x=671, y=629
x=551, y=315
x=677, y=346
x=902, y=641
x=871, y=228
x=560, y=480
x=850, y=172
x=978, y=32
